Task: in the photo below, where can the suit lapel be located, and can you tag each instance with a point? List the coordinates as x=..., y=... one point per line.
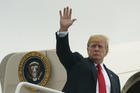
x=93, y=69
x=111, y=78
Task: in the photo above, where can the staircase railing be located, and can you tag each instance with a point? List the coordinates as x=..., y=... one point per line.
x=45, y=89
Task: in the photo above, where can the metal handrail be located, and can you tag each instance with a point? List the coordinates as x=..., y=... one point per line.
x=48, y=90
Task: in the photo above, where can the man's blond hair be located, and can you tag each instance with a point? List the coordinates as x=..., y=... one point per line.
x=98, y=38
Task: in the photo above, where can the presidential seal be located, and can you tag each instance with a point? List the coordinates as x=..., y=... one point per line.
x=34, y=68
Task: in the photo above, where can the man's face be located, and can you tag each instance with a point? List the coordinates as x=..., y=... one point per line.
x=97, y=51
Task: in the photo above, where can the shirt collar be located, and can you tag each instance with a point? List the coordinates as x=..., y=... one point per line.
x=102, y=65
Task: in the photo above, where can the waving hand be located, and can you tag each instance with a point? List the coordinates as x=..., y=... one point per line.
x=65, y=19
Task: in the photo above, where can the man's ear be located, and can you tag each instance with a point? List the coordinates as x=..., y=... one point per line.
x=106, y=52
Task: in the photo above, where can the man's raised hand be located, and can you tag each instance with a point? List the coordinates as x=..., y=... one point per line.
x=65, y=19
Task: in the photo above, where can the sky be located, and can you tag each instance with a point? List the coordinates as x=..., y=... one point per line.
x=30, y=25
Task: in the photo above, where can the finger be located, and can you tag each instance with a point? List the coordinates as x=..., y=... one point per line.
x=67, y=11
x=70, y=13
x=64, y=11
x=60, y=13
x=74, y=20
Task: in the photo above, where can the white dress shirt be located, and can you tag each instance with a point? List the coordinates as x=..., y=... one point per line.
x=107, y=80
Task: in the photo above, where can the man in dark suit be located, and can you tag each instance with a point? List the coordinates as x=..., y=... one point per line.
x=85, y=75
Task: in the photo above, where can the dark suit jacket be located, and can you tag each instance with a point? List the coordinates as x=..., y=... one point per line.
x=81, y=72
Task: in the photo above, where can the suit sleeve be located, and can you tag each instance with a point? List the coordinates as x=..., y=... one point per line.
x=65, y=55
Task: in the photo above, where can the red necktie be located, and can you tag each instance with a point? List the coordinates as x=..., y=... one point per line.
x=101, y=80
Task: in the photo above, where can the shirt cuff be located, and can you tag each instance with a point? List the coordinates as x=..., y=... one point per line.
x=62, y=34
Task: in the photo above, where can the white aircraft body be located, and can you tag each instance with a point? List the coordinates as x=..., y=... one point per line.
x=125, y=62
